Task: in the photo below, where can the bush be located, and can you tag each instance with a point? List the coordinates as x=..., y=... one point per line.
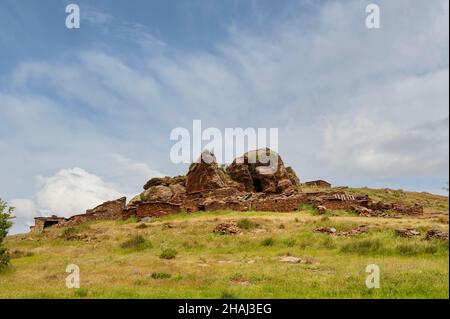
x=160, y=275
x=69, y=233
x=245, y=224
x=4, y=258
x=309, y=208
x=268, y=242
x=136, y=243
x=168, y=253
x=5, y=225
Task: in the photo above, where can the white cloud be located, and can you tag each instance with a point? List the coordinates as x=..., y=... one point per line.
x=24, y=212
x=72, y=191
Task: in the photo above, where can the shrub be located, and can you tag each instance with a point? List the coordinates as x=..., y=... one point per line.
x=4, y=258
x=5, y=225
x=160, y=275
x=290, y=242
x=268, y=242
x=69, y=233
x=245, y=224
x=136, y=243
x=168, y=253
x=309, y=208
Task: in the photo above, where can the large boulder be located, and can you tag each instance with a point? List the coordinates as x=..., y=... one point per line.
x=165, y=181
x=263, y=170
x=204, y=175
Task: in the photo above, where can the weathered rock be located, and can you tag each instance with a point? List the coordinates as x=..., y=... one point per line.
x=229, y=228
x=407, y=233
x=321, y=209
x=157, y=193
x=291, y=260
x=262, y=171
x=204, y=175
x=156, y=209
x=436, y=234
x=165, y=181
x=326, y=230
x=276, y=203
x=292, y=176
x=405, y=209
x=362, y=229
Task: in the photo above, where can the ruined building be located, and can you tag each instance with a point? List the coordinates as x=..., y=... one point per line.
x=248, y=183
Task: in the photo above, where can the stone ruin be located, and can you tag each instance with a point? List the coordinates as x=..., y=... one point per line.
x=248, y=183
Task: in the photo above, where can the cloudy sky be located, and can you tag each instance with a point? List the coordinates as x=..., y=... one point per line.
x=86, y=114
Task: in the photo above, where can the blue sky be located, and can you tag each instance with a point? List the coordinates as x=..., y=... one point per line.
x=86, y=114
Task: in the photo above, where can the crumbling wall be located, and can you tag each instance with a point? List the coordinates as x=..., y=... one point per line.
x=156, y=209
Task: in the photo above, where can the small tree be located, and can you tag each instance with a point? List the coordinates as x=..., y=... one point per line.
x=5, y=225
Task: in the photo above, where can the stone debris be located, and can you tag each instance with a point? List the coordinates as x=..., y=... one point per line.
x=292, y=260
x=407, y=232
x=146, y=220
x=436, y=234
x=229, y=228
x=325, y=230
x=361, y=229
x=321, y=209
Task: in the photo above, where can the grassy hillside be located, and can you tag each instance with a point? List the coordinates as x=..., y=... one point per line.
x=179, y=256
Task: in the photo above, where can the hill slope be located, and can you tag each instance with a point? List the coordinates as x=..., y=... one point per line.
x=179, y=256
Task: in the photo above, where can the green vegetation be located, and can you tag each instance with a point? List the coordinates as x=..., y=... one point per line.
x=309, y=208
x=5, y=225
x=245, y=223
x=187, y=260
x=136, y=243
x=168, y=253
x=268, y=242
x=161, y=275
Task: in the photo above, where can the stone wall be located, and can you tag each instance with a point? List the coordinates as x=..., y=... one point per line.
x=156, y=209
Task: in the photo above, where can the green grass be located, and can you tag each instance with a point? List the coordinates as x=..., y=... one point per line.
x=136, y=243
x=168, y=253
x=119, y=262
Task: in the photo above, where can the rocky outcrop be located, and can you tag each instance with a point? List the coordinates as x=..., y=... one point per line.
x=165, y=181
x=258, y=180
x=204, y=175
x=263, y=171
